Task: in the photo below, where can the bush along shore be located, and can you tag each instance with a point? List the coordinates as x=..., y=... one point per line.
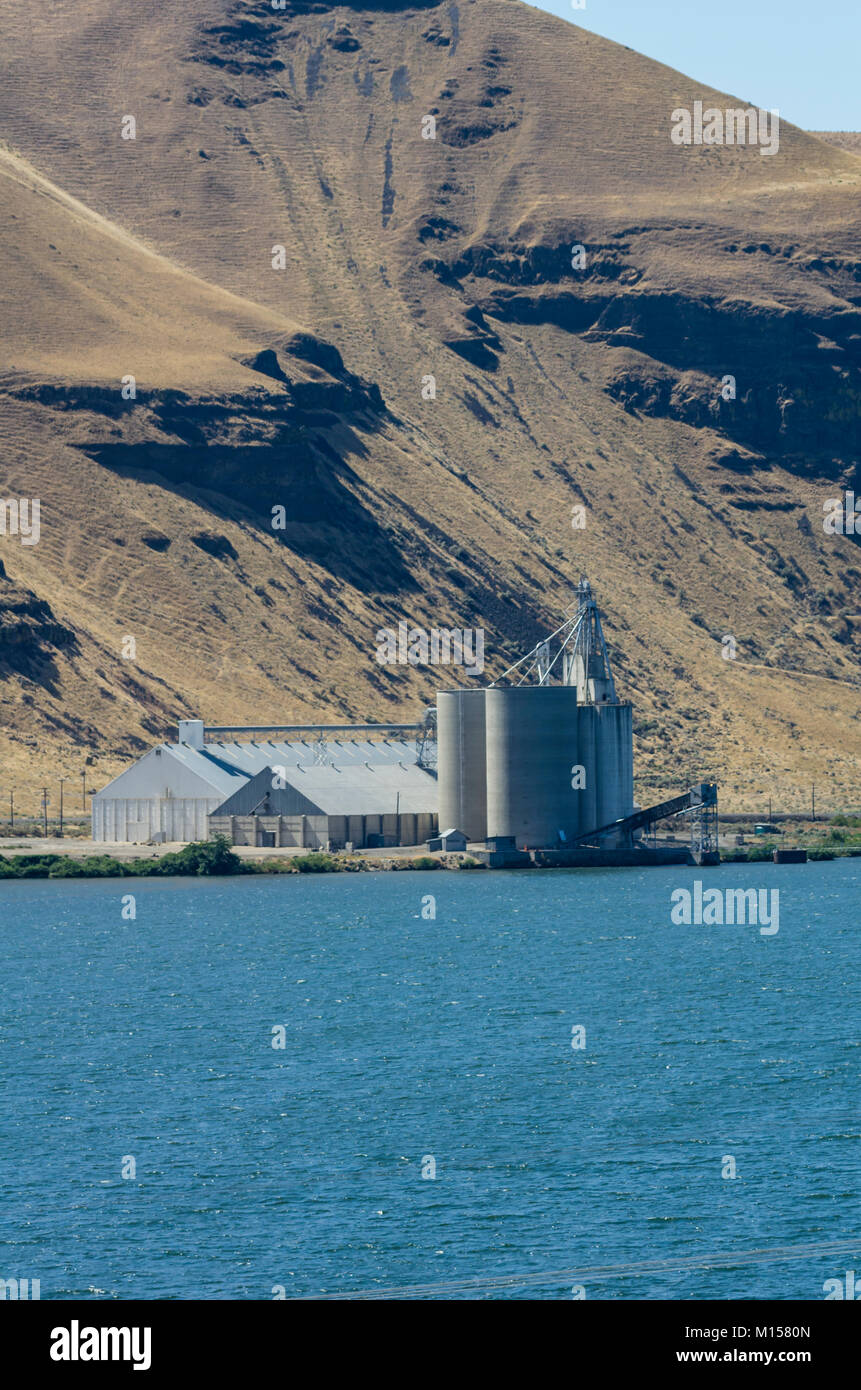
x=216, y=858
x=211, y=858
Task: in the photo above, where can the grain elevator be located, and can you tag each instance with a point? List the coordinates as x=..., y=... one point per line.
x=544, y=755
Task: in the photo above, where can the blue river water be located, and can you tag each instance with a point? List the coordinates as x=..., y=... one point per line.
x=437, y=1045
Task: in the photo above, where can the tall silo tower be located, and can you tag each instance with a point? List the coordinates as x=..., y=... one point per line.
x=559, y=741
x=545, y=754
x=535, y=739
x=587, y=665
x=461, y=764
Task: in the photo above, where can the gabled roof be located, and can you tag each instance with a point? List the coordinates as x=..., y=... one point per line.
x=357, y=790
x=353, y=777
x=220, y=772
x=185, y=771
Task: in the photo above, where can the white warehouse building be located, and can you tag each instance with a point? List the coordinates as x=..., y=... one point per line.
x=167, y=795
x=171, y=792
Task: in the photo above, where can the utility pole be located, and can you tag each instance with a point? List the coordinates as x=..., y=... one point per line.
x=45, y=809
x=813, y=801
x=11, y=813
x=84, y=791
x=62, y=780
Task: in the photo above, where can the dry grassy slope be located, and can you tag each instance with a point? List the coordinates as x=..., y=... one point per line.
x=209, y=596
x=448, y=257
x=844, y=139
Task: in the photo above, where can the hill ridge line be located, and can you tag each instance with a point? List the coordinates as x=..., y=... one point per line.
x=19, y=170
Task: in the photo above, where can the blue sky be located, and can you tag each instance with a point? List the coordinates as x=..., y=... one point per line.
x=802, y=56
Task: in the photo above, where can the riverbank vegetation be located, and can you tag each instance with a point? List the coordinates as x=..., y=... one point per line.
x=216, y=857
x=208, y=858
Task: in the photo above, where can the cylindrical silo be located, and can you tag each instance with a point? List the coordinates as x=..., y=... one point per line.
x=588, y=734
x=461, y=767
x=615, y=762
x=533, y=745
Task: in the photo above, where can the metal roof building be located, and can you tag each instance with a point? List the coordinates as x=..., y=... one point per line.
x=363, y=804
x=345, y=790
x=166, y=795
x=332, y=792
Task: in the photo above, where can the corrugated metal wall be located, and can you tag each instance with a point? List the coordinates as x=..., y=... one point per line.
x=128, y=819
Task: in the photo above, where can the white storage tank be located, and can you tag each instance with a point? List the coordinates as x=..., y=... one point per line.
x=533, y=743
x=614, y=763
x=461, y=766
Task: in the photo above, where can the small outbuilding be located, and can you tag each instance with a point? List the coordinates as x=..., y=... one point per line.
x=449, y=842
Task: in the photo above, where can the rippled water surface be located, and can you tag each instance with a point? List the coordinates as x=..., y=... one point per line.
x=408, y=1040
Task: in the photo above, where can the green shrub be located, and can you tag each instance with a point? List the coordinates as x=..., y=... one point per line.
x=95, y=866
x=316, y=863
x=34, y=865
x=208, y=857
x=204, y=857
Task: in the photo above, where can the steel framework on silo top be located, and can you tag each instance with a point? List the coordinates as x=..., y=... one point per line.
x=426, y=741
x=575, y=654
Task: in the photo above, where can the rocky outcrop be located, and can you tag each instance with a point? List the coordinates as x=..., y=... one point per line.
x=285, y=445
x=781, y=380
x=31, y=636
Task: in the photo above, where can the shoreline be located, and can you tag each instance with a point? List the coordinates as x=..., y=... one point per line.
x=216, y=858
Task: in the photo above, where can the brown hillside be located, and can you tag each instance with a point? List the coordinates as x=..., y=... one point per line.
x=844, y=139
x=405, y=258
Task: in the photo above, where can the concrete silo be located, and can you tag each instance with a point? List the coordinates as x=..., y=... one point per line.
x=614, y=769
x=588, y=757
x=461, y=764
x=560, y=742
x=533, y=743
x=547, y=759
